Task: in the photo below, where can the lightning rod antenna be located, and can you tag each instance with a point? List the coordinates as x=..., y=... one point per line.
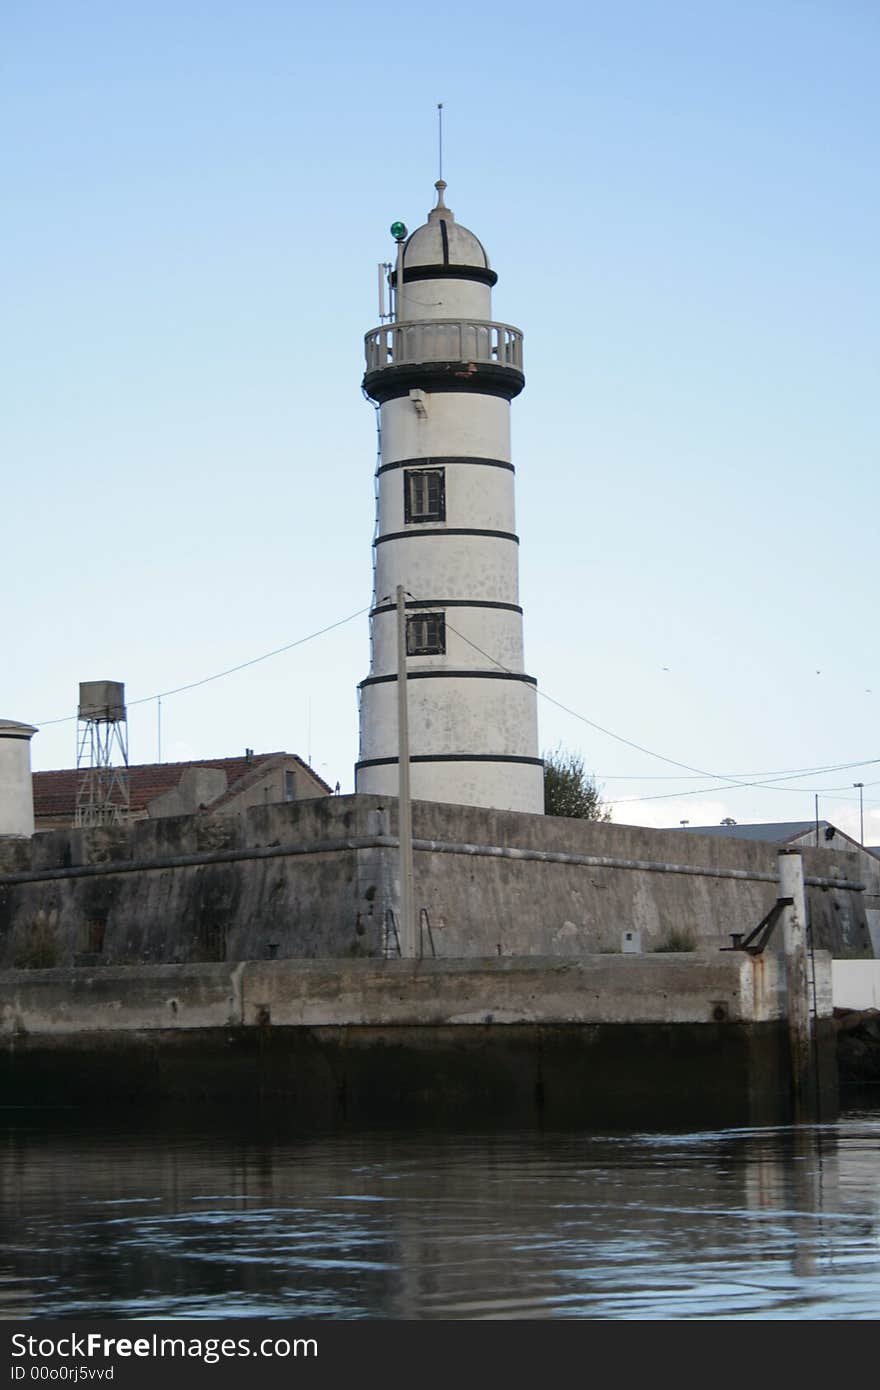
x=440, y=136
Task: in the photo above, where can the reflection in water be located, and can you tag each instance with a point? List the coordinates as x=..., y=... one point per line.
x=781, y=1223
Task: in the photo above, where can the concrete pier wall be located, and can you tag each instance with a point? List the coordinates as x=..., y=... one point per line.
x=602, y=1040
x=667, y=989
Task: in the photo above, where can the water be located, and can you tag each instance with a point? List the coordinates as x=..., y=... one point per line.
x=202, y=1221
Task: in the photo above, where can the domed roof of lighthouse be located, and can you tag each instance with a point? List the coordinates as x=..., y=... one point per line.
x=444, y=244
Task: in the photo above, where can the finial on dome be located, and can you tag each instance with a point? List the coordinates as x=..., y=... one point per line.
x=441, y=211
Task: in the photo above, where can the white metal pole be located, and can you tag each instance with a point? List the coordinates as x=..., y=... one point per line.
x=404, y=803
x=399, y=291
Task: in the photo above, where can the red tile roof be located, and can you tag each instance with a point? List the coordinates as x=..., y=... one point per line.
x=55, y=792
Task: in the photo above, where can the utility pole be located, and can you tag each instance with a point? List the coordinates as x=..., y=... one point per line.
x=861, y=787
x=404, y=802
x=794, y=924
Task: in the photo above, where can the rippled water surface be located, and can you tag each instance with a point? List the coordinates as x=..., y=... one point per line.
x=208, y=1222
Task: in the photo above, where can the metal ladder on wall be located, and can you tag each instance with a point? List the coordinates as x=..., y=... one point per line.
x=391, y=936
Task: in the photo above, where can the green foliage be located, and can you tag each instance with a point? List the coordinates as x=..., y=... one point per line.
x=569, y=790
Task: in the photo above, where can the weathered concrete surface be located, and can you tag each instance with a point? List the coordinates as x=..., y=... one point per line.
x=558, y=909
x=314, y=879
x=601, y=1039
x=732, y=988
x=196, y=888
x=650, y=1075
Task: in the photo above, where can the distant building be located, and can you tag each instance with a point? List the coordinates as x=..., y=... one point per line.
x=180, y=789
x=812, y=836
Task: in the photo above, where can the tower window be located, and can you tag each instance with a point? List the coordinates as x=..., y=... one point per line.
x=424, y=494
x=426, y=634
x=290, y=786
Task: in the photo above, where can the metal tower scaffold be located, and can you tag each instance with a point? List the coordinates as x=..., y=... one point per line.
x=103, y=793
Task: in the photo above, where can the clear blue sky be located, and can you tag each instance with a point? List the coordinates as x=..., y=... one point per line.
x=682, y=204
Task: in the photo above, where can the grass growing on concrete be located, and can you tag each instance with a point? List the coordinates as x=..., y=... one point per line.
x=677, y=939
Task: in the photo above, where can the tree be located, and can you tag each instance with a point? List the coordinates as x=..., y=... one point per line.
x=569, y=790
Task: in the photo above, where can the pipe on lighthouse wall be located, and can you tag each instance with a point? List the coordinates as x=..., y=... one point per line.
x=16, y=785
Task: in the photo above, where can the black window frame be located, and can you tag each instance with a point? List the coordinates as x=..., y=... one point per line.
x=426, y=642
x=411, y=515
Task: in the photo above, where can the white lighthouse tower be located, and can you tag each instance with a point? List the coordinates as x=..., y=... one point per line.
x=443, y=374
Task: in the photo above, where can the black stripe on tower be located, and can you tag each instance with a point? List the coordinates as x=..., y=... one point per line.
x=435, y=460
x=441, y=673
x=420, y=531
x=447, y=603
x=481, y=274
x=452, y=758
x=485, y=378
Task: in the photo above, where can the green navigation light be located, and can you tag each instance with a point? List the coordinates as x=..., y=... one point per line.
x=398, y=230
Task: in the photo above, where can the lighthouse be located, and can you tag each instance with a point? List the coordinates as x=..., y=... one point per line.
x=442, y=374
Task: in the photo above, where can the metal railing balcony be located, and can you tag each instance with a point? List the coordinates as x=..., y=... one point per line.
x=443, y=340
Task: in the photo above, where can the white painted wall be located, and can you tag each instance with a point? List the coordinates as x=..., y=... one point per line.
x=430, y=567
x=493, y=630
x=454, y=715
x=476, y=495
x=16, y=786
x=855, y=984
x=505, y=786
x=446, y=299
x=468, y=424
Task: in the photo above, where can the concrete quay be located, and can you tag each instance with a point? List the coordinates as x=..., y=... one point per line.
x=600, y=1039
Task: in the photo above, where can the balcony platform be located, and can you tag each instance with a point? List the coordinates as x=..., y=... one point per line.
x=443, y=355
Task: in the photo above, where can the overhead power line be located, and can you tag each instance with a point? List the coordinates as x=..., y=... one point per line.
x=729, y=783
x=230, y=670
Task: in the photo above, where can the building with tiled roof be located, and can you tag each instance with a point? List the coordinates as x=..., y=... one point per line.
x=819, y=834
x=179, y=789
